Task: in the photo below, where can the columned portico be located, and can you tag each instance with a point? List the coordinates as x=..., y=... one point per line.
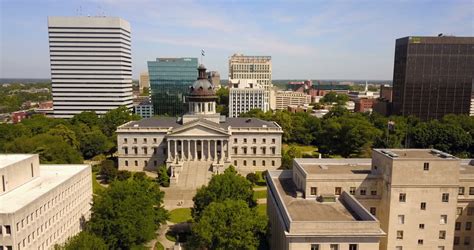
x=215, y=150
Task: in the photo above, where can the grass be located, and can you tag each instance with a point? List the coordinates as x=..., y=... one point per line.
x=305, y=149
x=262, y=209
x=260, y=194
x=170, y=236
x=180, y=215
x=96, y=187
x=159, y=246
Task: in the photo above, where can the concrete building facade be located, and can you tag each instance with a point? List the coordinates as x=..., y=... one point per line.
x=144, y=109
x=144, y=81
x=254, y=75
x=418, y=205
x=245, y=95
x=199, y=143
x=91, y=64
x=287, y=98
x=41, y=205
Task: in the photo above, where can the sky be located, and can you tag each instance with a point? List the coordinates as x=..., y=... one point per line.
x=352, y=39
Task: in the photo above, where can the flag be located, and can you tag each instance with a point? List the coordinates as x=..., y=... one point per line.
x=202, y=52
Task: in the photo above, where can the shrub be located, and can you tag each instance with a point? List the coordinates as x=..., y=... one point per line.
x=163, y=177
x=252, y=177
x=123, y=175
x=108, y=171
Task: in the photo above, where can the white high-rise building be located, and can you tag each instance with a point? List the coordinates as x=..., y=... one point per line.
x=250, y=83
x=91, y=64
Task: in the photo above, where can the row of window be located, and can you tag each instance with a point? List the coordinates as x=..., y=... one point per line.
x=144, y=149
x=441, y=235
x=462, y=191
x=466, y=242
x=458, y=226
x=352, y=190
x=145, y=163
x=254, y=150
x=250, y=67
x=334, y=247
x=443, y=220
x=402, y=197
x=254, y=140
x=470, y=211
x=254, y=163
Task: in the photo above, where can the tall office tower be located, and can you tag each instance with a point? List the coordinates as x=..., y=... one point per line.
x=170, y=79
x=144, y=81
x=250, y=74
x=91, y=64
x=433, y=76
x=41, y=205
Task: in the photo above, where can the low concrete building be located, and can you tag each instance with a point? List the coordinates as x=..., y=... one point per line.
x=41, y=205
x=287, y=98
x=144, y=109
x=423, y=198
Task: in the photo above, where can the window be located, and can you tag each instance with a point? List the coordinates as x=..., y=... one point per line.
x=398, y=248
x=235, y=163
x=426, y=166
x=338, y=191
x=401, y=219
x=352, y=190
x=264, y=140
x=470, y=211
x=263, y=162
x=440, y=247
x=144, y=140
x=421, y=226
x=456, y=240
x=273, y=141
x=125, y=149
x=254, y=162
x=135, y=150
x=461, y=191
x=442, y=235
x=420, y=242
x=254, y=151
x=254, y=140
x=471, y=190
x=467, y=241
x=273, y=163
x=423, y=206
x=334, y=246
x=273, y=150
x=443, y=219
x=373, y=211
x=445, y=197
x=363, y=191
x=145, y=150
x=8, y=229
x=402, y=197
x=468, y=226
x=154, y=140
x=235, y=140
x=235, y=150
x=459, y=211
x=126, y=163
x=135, y=140
x=264, y=150
x=353, y=246
x=314, y=246
x=399, y=235
x=314, y=190
x=457, y=226
x=136, y=163
x=245, y=140
x=245, y=163
x=125, y=140
x=373, y=192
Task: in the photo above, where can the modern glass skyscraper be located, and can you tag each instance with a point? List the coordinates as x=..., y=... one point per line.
x=170, y=79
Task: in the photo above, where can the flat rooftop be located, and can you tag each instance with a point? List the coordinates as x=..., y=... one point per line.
x=300, y=209
x=172, y=122
x=314, y=166
x=8, y=159
x=51, y=176
x=467, y=167
x=415, y=153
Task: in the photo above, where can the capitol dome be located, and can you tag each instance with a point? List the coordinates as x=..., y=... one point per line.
x=202, y=89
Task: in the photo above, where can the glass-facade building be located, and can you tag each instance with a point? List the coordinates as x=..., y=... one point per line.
x=170, y=79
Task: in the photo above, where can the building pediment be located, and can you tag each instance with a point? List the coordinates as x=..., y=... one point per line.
x=199, y=128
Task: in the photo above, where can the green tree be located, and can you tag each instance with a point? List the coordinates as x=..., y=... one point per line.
x=115, y=217
x=230, y=224
x=108, y=171
x=228, y=185
x=66, y=134
x=163, y=177
x=88, y=118
x=288, y=155
x=116, y=117
x=84, y=240
x=123, y=175
x=94, y=143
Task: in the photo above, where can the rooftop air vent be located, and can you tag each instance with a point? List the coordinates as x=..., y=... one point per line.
x=135, y=125
x=248, y=120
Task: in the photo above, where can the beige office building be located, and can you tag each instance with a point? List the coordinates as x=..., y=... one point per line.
x=41, y=205
x=287, y=98
x=422, y=199
x=144, y=81
x=200, y=143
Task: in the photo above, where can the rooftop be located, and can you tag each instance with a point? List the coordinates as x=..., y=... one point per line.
x=415, y=153
x=51, y=176
x=8, y=159
x=300, y=209
x=335, y=166
x=167, y=122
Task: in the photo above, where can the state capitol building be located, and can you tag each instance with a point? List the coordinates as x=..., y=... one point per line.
x=199, y=143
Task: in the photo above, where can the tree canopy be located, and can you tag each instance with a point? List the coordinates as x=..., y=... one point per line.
x=127, y=213
x=84, y=240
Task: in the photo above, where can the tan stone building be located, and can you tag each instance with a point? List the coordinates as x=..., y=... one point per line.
x=423, y=198
x=41, y=205
x=144, y=81
x=287, y=98
x=199, y=143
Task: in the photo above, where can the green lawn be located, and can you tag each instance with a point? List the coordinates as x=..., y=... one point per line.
x=262, y=209
x=260, y=194
x=96, y=187
x=305, y=149
x=159, y=246
x=180, y=215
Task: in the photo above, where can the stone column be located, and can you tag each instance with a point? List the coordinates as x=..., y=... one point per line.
x=188, y=157
x=208, y=150
x=175, y=150
x=215, y=151
x=168, y=157
x=195, y=150
x=228, y=151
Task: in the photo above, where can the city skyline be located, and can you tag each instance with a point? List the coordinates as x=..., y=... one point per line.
x=317, y=40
